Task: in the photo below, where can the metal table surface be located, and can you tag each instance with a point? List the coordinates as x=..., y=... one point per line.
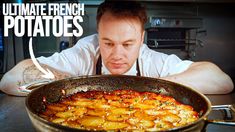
x=13, y=116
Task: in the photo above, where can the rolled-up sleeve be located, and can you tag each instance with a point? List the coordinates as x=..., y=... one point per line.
x=174, y=65
x=64, y=61
x=77, y=60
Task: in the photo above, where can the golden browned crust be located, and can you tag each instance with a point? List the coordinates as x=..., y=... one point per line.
x=122, y=110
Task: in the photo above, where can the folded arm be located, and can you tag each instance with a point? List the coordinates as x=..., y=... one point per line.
x=23, y=73
x=204, y=77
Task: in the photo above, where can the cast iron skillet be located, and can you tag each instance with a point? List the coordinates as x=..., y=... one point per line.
x=54, y=91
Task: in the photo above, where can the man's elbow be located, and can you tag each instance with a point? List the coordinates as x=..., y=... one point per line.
x=7, y=86
x=221, y=83
x=228, y=85
x=225, y=81
x=9, y=82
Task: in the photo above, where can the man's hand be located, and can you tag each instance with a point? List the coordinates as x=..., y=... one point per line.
x=23, y=73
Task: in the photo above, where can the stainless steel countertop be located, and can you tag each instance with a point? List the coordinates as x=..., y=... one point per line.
x=13, y=116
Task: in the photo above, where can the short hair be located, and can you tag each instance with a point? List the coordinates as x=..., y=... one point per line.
x=122, y=9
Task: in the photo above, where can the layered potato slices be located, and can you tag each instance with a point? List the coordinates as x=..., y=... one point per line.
x=121, y=110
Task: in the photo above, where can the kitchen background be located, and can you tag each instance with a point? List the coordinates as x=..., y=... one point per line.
x=200, y=30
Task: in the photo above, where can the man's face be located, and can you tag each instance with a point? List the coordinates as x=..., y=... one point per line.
x=120, y=41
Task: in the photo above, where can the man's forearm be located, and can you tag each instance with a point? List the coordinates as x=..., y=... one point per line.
x=204, y=77
x=32, y=74
x=23, y=73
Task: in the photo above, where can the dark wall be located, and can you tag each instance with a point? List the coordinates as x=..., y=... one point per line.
x=219, y=40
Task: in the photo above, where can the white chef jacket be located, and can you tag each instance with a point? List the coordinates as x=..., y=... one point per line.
x=81, y=59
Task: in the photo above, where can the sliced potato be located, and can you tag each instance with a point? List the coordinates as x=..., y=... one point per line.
x=102, y=106
x=114, y=117
x=108, y=125
x=132, y=100
x=151, y=102
x=72, y=124
x=96, y=112
x=156, y=112
x=58, y=120
x=121, y=111
x=73, y=118
x=111, y=97
x=142, y=115
x=146, y=123
x=133, y=120
x=99, y=104
x=100, y=101
x=143, y=106
x=118, y=104
x=163, y=125
x=57, y=107
x=79, y=111
x=64, y=114
x=81, y=102
x=171, y=118
x=184, y=107
x=73, y=112
x=92, y=121
x=169, y=107
x=153, y=129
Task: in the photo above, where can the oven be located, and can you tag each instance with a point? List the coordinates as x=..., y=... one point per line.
x=173, y=34
x=166, y=37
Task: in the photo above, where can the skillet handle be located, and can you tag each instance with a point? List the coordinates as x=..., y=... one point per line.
x=27, y=88
x=229, y=118
x=222, y=122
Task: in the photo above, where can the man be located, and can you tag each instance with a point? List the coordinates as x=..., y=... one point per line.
x=118, y=49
